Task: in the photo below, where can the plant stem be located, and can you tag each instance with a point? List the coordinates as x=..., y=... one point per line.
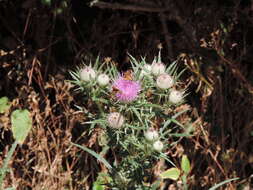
x=184, y=179
x=6, y=161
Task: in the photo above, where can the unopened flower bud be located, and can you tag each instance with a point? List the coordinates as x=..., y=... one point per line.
x=87, y=74
x=158, y=68
x=176, y=96
x=103, y=79
x=115, y=120
x=158, y=146
x=164, y=81
x=146, y=70
x=151, y=135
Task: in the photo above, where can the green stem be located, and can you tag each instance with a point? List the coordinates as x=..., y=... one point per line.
x=184, y=179
x=6, y=161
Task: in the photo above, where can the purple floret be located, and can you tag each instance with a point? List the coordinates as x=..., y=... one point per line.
x=128, y=89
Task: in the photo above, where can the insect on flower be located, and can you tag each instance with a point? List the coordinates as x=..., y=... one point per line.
x=128, y=75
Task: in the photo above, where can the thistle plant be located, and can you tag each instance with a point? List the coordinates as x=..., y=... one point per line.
x=132, y=109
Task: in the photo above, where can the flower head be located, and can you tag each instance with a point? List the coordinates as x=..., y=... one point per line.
x=103, y=79
x=87, y=74
x=146, y=70
x=158, y=68
x=158, y=146
x=115, y=120
x=151, y=135
x=176, y=96
x=164, y=81
x=127, y=89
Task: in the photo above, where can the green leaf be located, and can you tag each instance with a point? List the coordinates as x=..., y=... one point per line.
x=156, y=185
x=21, y=124
x=97, y=186
x=46, y=2
x=102, y=179
x=185, y=164
x=172, y=173
x=4, y=104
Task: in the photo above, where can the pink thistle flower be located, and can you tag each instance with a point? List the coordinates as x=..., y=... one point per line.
x=127, y=90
